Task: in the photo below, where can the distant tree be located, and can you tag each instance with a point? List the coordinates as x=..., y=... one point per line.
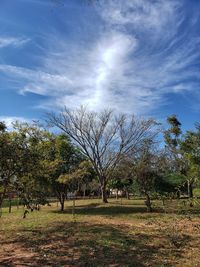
x=80, y=177
x=146, y=172
x=177, y=163
x=168, y=181
x=103, y=137
x=123, y=177
x=85, y=174
x=172, y=138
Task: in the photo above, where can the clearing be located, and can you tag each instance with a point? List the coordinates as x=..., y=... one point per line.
x=114, y=234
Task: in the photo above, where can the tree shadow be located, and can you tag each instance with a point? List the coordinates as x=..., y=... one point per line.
x=85, y=244
x=104, y=210
x=114, y=208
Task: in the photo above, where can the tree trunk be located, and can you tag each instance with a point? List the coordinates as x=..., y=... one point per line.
x=62, y=204
x=73, y=208
x=116, y=193
x=61, y=197
x=17, y=202
x=127, y=194
x=190, y=189
x=178, y=194
x=148, y=203
x=10, y=205
x=103, y=193
x=84, y=192
x=2, y=196
x=1, y=201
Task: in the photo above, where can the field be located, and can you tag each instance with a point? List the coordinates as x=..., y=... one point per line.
x=114, y=234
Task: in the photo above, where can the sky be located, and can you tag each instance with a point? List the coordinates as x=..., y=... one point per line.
x=133, y=56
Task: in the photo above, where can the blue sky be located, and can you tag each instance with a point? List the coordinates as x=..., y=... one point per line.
x=135, y=56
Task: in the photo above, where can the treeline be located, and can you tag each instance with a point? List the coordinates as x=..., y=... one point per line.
x=96, y=152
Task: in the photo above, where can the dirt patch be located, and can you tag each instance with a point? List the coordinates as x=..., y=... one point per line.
x=100, y=238
x=13, y=254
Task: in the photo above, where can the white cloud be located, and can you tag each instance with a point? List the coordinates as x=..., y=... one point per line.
x=138, y=58
x=12, y=41
x=9, y=120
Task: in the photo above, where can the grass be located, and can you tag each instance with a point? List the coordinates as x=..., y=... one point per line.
x=102, y=235
x=6, y=202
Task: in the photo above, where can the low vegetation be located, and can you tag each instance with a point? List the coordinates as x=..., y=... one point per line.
x=112, y=234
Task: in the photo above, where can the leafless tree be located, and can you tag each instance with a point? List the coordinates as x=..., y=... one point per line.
x=104, y=137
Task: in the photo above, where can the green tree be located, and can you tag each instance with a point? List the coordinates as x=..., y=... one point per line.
x=190, y=147
x=172, y=138
x=177, y=165
x=123, y=176
x=31, y=183
x=60, y=158
x=14, y=158
x=146, y=172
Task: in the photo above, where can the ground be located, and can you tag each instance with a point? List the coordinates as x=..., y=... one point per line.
x=114, y=234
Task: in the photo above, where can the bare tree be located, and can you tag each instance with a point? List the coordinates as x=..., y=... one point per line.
x=104, y=137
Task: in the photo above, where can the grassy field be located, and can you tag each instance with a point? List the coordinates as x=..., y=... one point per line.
x=113, y=234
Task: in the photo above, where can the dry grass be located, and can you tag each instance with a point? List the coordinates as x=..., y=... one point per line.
x=101, y=235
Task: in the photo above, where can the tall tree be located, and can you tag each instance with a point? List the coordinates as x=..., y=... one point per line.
x=103, y=137
x=172, y=138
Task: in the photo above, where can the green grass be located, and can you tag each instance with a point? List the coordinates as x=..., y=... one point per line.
x=196, y=192
x=6, y=202
x=102, y=235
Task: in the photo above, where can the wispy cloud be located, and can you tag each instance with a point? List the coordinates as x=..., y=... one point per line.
x=12, y=41
x=142, y=14
x=144, y=52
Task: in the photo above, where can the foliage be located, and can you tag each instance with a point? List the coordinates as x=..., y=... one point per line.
x=104, y=138
x=60, y=159
x=98, y=152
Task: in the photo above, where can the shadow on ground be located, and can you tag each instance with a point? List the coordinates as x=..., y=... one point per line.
x=97, y=209
x=114, y=209
x=85, y=244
